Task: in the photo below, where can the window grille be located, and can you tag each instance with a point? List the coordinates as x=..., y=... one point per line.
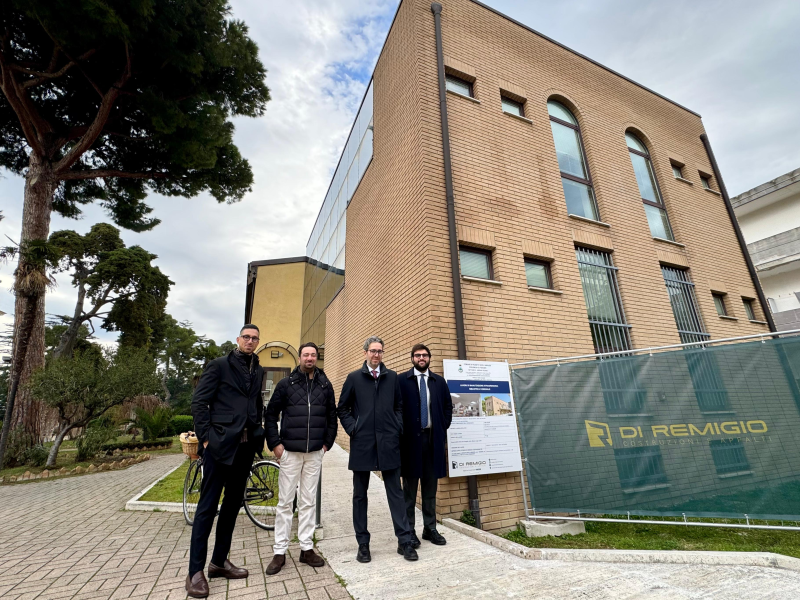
x=622, y=393
x=729, y=457
x=684, y=305
x=709, y=388
x=638, y=467
x=610, y=331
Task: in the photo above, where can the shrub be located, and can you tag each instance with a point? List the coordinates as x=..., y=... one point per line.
x=90, y=443
x=153, y=424
x=180, y=424
x=468, y=518
x=35, y=456
x=109, y=448
x=18, y=443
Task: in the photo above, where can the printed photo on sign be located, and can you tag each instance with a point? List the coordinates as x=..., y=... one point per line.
x=497, y=405
x=467, y=405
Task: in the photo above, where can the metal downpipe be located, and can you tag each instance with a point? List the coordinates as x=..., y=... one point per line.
x=436, y=9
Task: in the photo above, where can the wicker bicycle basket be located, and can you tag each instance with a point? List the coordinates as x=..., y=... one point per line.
x=189, y=444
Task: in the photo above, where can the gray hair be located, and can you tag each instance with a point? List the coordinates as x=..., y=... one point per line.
x=372, y=340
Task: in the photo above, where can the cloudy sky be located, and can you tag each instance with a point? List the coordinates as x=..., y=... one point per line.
x=733, y=61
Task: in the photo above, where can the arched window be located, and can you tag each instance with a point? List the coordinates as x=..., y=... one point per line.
x=575, y=177
x=648, y=188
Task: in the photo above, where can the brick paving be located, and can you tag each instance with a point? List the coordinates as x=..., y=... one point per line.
x=72, y=539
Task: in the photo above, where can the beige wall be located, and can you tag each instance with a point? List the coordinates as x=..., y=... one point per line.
x=507, y=187
x=277, y=310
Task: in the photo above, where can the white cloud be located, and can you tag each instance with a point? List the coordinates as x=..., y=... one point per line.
x=733, y=61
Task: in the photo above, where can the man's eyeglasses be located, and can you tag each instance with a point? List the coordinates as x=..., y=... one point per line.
x=422, y=356
x=250, y=338
x=375, y=352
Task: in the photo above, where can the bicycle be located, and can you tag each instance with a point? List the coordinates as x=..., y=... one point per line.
x=260, y=495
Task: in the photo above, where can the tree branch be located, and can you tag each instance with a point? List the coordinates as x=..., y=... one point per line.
x=41, y=77
x=98, y=173
x=96, y=128
x=26, y=120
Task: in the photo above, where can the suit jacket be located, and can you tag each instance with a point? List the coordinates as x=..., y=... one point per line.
x=371, y=412
x=441, y=416
x=219, y=407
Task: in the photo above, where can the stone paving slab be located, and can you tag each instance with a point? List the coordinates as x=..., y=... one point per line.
x=71, y=539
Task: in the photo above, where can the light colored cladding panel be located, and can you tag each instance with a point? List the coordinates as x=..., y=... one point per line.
x=672, y=258
x=536, y=249
x=717, y=286
x=514, y=89
x=459, y=66
x=592, y=240
x=476, y=237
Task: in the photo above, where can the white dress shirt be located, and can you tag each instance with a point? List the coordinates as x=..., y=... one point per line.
x=422, y=379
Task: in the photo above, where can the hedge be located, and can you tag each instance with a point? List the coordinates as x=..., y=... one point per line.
x=108, y=448
x=180, y=424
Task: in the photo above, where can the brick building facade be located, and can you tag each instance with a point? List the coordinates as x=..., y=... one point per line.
x=510, y=208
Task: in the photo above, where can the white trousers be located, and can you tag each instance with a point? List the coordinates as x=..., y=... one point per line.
x=297, y=468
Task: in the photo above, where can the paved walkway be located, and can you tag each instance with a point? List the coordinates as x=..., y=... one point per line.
x=71, y=539
x=467, y=568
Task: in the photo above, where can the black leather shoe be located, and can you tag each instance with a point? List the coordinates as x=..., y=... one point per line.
x=434, y=537
x=228, y=571
x=363, y=555
x=407, y=551
x=415, y=543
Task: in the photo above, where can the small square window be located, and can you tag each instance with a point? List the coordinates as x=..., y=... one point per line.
x=512, y=106
x=538, y=274
x=719, y=303
x=749, y=309
x=476, y=263
x=458, y=85
x=706, y=181
x=677, y=171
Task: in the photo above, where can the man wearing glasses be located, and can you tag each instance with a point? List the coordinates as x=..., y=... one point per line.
x=427, y=414
x=371, y=412
x=227, y=408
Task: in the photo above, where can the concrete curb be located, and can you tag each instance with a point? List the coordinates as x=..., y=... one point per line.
x=136, y=504
x=748, y=559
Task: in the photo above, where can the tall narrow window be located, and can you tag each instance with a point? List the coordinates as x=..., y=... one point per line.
x=719, y=304
x=575, y=177
x=648, y=188
x=603, y=304
x=709, y=387
x=684, y=305
x=748, y=308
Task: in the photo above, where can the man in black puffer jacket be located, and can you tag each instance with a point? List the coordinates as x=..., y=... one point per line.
x=306, y=406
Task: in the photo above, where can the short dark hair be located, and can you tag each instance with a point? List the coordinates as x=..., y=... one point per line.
x=308, y=345
x=420, y=347
x=249, y=326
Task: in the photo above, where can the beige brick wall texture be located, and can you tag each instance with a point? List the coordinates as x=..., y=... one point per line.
x=508, y=198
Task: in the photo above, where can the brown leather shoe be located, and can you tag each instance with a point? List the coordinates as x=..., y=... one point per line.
x=311, y=558
x=276, y=565
x=228, y=571
x=197, y=586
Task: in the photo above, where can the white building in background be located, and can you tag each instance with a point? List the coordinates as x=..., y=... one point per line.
x=769, y=216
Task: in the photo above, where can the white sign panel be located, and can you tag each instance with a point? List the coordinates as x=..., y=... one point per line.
x=483, y=436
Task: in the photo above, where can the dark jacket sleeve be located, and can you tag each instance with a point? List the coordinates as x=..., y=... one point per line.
x=447, y=404
x=333, y=425
x=203, y=396
x=276, y=405
x=398, y=402
x=345, y=409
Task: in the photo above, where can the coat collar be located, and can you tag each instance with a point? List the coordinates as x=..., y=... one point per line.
x=367, y=371
x=319, y=375
x=431, y=375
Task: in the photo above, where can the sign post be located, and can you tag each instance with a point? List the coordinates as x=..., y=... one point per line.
x=483, y=437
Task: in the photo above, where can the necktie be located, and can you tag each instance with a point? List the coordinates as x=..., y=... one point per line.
x=423, y=401
x=375, y=374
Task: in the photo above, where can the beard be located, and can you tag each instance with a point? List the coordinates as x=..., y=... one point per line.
x=419, y=368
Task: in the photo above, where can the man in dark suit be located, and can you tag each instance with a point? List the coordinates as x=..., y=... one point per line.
x=227, y=408
x=427, y=414
x=371, y=412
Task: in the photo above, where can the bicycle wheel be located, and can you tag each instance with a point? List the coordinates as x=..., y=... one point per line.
x=191, y=490
x=261, y=495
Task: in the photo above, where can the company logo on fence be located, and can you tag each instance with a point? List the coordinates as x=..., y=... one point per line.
x=596, y=431
x=600, y=433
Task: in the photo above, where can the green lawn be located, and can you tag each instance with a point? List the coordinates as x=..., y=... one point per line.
x=622, y=536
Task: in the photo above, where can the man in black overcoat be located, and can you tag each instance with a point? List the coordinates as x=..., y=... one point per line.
x=227, y=408
x=427, y=414
x=371, y=412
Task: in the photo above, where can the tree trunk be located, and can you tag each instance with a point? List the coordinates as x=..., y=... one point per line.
x=167, y=395
x=30, y=285
x=66, y=345
x=53, y=456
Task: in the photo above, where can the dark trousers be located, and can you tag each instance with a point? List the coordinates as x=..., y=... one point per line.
x=429, y=485
x=397, y=508
x=217, y=476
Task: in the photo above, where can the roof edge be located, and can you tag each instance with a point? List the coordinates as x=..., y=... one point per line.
x=278, y=261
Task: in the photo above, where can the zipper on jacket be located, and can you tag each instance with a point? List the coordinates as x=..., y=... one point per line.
x=308, y=429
